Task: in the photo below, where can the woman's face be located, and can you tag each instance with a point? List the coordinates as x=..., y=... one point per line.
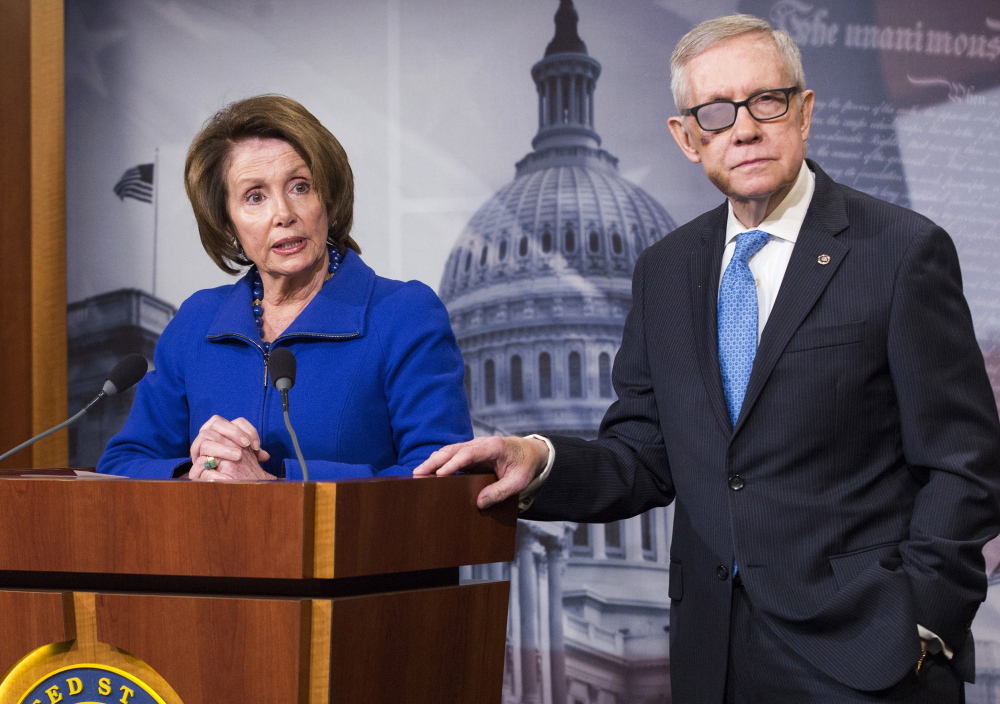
x=280, y=220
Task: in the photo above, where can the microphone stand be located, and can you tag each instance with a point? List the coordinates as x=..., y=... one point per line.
x=291, y=431
x=32, y=441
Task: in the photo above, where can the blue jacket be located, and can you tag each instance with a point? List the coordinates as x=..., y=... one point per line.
x=378, y=389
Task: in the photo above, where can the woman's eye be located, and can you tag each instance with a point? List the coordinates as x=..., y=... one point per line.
x=301, y=187
x=255, y=197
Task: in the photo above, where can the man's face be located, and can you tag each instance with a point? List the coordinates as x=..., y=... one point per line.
x=750, y=161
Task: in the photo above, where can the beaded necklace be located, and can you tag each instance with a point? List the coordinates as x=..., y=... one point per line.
x=258, y=294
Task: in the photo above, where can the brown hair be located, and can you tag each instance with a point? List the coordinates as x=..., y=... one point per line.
x=264, y=117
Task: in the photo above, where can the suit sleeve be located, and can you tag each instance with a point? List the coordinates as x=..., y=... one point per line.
x=625, y=471
x=950, y=436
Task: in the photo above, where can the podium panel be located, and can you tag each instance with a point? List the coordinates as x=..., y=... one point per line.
x=31, y=620
x=175, y=592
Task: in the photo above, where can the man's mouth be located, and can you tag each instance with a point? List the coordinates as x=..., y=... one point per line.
x=751, y=163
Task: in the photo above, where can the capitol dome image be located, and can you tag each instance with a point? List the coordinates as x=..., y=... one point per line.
x=538, y=286
x=539, y=283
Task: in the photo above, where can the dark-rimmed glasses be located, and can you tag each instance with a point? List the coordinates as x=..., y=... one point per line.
x=762, y=106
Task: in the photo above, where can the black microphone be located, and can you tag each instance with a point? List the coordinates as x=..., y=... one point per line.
x=123, y=377
x=281, y=366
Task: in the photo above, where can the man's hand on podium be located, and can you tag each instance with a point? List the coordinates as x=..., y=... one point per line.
x=516, y=462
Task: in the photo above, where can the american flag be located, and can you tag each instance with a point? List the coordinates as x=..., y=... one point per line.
x=136, y=183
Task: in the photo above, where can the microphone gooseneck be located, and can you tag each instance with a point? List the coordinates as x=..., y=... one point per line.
x=281, y=366
x=126, y=374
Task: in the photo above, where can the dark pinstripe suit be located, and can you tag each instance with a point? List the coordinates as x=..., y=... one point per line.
x=867, y=449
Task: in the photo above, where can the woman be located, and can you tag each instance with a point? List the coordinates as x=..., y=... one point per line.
x=379, y=383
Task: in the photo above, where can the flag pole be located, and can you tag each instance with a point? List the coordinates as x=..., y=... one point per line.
x=156, y=207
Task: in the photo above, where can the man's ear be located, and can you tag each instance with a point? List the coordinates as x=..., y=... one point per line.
x=808, y=101
x=684, y=139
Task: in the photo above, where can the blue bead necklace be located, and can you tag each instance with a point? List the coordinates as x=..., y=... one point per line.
x=258, y=293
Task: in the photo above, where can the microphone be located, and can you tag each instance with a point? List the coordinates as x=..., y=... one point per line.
x=281, y=366
x=126, y=374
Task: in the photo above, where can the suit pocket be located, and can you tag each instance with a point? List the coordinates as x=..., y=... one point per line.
x=849, y=565
x=811, y=338
x=676, y=590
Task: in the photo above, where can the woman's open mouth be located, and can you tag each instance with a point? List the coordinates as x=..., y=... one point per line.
x=291, y=245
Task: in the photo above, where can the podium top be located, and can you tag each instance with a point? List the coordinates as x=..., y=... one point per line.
x=272, y=530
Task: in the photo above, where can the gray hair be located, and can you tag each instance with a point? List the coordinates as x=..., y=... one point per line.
x=712, y=32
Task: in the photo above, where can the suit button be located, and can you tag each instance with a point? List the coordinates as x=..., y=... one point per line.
x=736, y=482
x=722, y=573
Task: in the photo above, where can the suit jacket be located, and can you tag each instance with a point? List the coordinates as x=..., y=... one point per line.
x=378, y=389
x=861, y=480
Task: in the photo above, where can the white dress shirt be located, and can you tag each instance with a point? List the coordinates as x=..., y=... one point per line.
x=769, y=263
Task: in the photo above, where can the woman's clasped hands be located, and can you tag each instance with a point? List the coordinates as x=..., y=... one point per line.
x=233, y=447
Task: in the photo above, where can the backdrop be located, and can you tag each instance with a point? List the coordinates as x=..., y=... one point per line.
x=434, y=102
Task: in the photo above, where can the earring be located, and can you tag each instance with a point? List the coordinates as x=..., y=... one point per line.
x=237, y=246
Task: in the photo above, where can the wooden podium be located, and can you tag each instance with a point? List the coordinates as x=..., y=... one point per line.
x=270, y=593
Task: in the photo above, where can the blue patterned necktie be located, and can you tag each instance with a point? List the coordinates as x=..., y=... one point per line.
x=738, y=320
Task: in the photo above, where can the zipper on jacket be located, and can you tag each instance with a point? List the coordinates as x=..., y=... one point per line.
x=267, y=356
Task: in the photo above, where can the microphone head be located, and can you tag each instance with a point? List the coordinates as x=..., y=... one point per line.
x=126, y=374
x=281, y=365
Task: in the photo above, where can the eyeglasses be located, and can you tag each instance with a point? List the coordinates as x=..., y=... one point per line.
x=721, y=114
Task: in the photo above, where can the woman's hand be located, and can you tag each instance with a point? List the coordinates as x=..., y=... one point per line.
x=235, y=447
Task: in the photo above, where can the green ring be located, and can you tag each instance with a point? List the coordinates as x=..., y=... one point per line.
x=211, y=464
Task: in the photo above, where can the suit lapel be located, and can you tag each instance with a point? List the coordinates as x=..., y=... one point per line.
x=804, y=281
x=703, y=276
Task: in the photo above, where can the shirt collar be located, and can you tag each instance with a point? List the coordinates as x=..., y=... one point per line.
x=337, y=311
x=786, y=220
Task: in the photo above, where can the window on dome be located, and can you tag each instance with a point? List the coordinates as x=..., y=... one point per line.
x=604, y=374
x=637, y=237
x=502, y=254
x=482, y=257
x=613, y=539
x=595, y=242
x=647, y=524
x=546, y=241
x=490, y=380
x=575, y=376
x=468, y=260
x=570, y=240
x=544, y=375
x=522, y=248
x=516, y=379
x=616, y=243
x=467, y=382
x=565, y=98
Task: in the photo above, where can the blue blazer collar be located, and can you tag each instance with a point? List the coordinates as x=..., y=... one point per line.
x=338, y=311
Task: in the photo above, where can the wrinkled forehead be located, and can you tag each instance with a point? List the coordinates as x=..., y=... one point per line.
x=734, y=69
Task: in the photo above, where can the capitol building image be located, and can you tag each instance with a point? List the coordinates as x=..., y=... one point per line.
x=537, y=287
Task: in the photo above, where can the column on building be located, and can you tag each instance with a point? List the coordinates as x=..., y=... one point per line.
x=528, y=596
x=513, y=655
x=555, y=556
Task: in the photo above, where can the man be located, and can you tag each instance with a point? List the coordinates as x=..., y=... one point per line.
x=799, y=370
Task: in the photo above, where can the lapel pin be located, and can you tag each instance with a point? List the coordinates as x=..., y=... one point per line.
x=823, y=259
